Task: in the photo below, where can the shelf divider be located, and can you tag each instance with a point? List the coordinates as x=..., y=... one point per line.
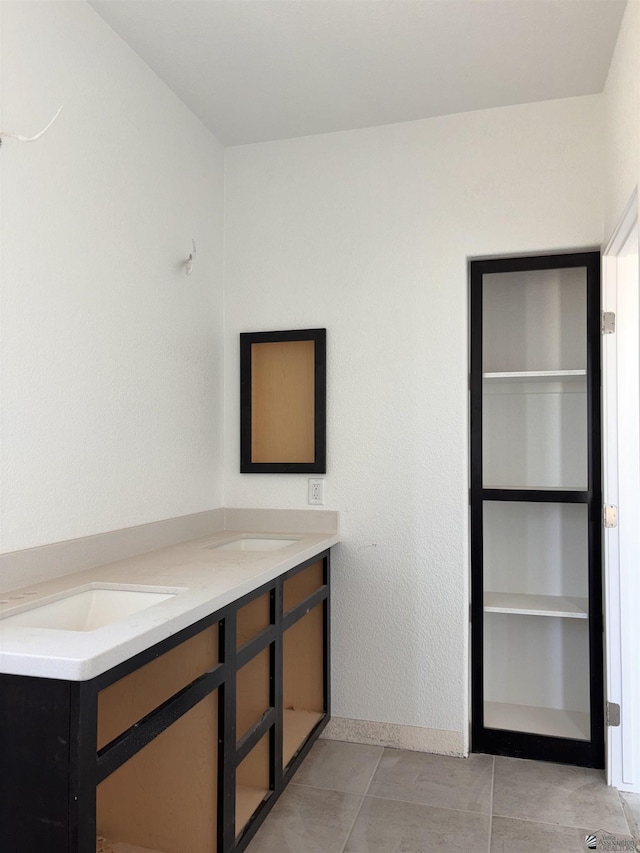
x=532, y=494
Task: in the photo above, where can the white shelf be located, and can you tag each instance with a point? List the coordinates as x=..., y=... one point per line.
x=544, y=721
x=535, y=376
x=537, y=488
x=536, y=605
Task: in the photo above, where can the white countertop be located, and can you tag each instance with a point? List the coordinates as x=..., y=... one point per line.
x=210, y=579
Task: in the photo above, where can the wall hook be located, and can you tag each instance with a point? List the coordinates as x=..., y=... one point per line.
x=189, y=262
x=21, y=138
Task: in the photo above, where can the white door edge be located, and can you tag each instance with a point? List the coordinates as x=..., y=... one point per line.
x=621, y=547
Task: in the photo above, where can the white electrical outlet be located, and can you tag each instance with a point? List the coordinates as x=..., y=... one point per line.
x=316, y=492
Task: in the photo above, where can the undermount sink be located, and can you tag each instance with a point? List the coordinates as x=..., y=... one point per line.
x=88, y=609
x=254, y=543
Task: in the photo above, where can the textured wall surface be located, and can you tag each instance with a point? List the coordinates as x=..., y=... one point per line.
x=111, y=357
x=622, y=119
x=368, y=233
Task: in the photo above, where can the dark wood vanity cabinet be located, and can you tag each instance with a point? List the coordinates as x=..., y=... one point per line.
x=185, y=747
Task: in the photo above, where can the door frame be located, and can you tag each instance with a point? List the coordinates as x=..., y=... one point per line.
x=621, y=487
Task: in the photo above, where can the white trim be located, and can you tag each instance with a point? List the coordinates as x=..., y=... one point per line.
x=621, y=433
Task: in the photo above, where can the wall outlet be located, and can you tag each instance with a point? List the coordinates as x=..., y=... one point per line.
x=316, y=492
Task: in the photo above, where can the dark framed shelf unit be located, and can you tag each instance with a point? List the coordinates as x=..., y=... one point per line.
x=536, y=507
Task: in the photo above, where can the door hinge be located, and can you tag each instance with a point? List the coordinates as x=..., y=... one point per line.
x=610, y=515
x=612, y=714
x=608, y=322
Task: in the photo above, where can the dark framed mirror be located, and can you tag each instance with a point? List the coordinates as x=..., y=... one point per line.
x=283, y=383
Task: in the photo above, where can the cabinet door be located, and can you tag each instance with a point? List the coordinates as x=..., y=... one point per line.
x=304, y=682
x=535, y=499
x=164, y=798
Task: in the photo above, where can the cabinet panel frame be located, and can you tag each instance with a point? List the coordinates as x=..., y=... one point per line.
x=520, y=744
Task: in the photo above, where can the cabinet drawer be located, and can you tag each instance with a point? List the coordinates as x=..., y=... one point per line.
x=123, y=703
x=253, y=618
x=301, y=585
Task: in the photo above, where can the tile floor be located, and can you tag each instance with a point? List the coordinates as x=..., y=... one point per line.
x=350, y=798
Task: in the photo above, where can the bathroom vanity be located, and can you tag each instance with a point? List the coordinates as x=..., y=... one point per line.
x=175, y=728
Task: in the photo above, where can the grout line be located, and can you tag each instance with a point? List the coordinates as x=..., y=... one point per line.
x=624, y=812
x=493, y=785
x=421, y=802
x=364, y=796
x=624, y=807
x=547, y=823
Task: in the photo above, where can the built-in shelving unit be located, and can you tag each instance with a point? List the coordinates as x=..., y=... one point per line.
x=535, y=496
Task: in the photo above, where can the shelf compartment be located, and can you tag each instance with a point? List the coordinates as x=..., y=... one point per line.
x=536, y=662
x=165, y=797
x=536, y=605
x=252, y=782
x=535, y=440
x=253, y=618
x=538, y=549
x=534, y=319
x=298, y=725
x=553, y=722
x=303, y=691
x=252, y=692
x=124, y=703
x=301, y=585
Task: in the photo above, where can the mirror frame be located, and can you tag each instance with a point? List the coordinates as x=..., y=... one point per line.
x=319, y=463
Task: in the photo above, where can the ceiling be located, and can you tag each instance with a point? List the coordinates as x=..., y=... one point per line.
x=257, y=70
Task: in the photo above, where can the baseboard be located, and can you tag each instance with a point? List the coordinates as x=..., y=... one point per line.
x=416, y=738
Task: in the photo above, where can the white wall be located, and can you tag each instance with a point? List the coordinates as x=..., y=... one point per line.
x=368, y=233
x=111, y=357
x=622, y=119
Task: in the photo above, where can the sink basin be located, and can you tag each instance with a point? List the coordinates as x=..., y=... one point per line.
x=87, y=610
x=254, y=543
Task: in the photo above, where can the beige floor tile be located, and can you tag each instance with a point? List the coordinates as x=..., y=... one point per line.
x=521, y=836
x=390, y=826
x=631, y=808
x=339, y=766
x=307, y=820
x=436, y=780
x=556, y=794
